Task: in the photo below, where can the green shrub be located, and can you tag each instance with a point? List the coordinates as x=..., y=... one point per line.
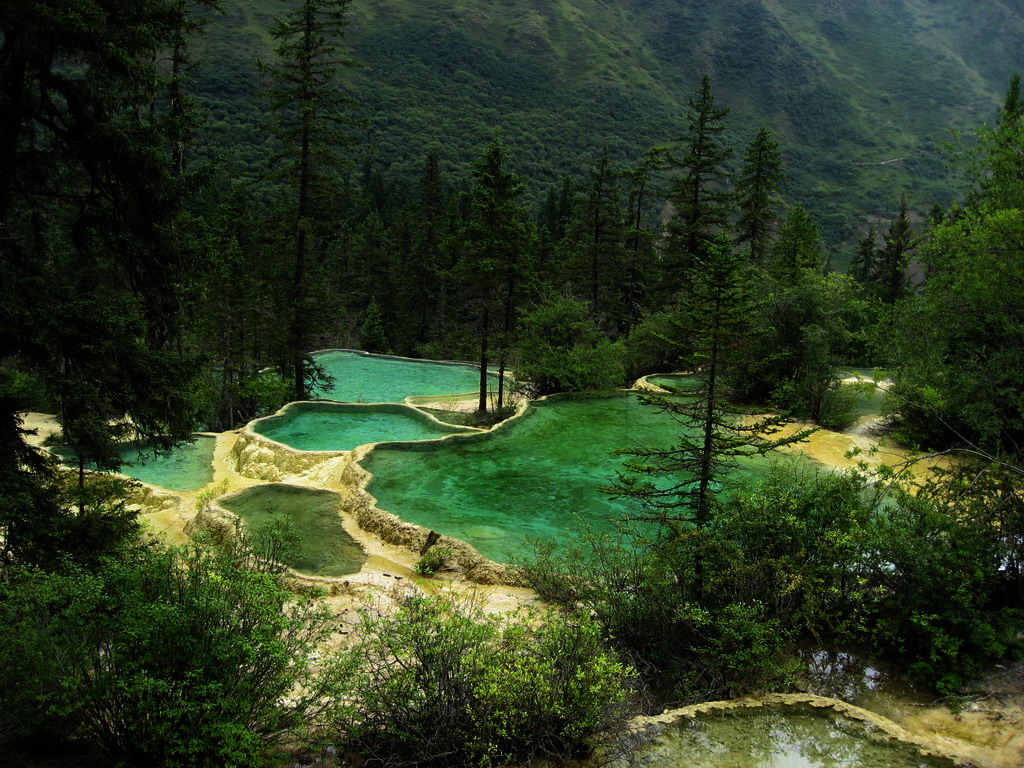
x=442, y=684
x=168, y=658
x=432, y=560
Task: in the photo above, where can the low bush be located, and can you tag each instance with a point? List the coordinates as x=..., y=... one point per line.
x=444, y=685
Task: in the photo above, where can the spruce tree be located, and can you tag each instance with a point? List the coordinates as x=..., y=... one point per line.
x=797, y=247
x=492, y=245
x=893, y=259
x=687, y=477
x=312, y=113
x=639, y=239
x=863, y=265
x=699, y=192
x=758, y=184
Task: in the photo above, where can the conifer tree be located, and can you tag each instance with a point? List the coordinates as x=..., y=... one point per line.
x=492, y=246
x=687, y=477
x=894, y=257
x=312, y=113
x=758, y=184
x=598, y=229
x=699, y=192
x=863, y=265
x=797, y=247
x=639, y=239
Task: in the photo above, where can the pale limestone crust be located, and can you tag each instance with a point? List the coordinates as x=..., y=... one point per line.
x=882, y=728
x=261, y=458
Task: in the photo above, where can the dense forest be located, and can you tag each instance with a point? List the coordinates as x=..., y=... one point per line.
x=151, y=286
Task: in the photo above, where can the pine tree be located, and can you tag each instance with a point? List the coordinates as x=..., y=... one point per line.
x=492, y=245
x=797, y=248
x=715, y=433
x=893, y=259
x=312, y=114
x=864, y=264
x=757, y=194
x=699, y=193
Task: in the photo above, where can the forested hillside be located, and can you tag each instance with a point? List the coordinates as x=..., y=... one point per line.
x=862, y=95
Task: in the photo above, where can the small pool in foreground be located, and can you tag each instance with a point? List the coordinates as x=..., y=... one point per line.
x=360, y=378
x=187, y=467
x=343, y=426
x=538, y=479
x=769, y=737
x=324, y=548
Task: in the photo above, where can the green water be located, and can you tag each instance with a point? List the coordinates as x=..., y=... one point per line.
x=365, y=379
x=324, y=549
x=773, y=738
x=536, y=480
x=341, y=427
x=186, y=468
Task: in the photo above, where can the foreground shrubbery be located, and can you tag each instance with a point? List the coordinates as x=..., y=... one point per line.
x=200, y=657
x=713, y=612
x=163, y=657
x=442, y=684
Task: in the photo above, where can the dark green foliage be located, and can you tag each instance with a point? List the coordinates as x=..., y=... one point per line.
x=491, y=249
x=957, y=347
x=164, y=658
x=758, y=184
x=917, y=580
x=443, y=685
x=95, y=257
x=719, y=311
x=561, y=350
x=893, y=259
x=935, y=600
x=699, y=191
x=797, y=248
x=596, y=262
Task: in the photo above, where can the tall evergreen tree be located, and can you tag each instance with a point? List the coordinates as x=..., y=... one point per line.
x=597, y=229
x=312, y=113
x=863, y=265
x=492, y=245
x=797, y=247
x=758, y=184
x=688, y=476
x=894, y=257
x=699, y=192
x=639, y=240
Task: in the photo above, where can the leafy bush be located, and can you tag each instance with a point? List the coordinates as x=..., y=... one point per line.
x=169, y=658
x=443, y=685
x=432, y=560
x=562, y=350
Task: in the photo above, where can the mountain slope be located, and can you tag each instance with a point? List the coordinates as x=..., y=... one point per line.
x=861, y=93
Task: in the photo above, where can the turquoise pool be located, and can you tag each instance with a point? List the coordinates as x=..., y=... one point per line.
x=360, y=378
x=187, y=467
x=343, y=426
x=537, y=479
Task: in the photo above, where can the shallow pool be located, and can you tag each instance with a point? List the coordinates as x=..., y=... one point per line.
x=187, y=467
x=324, y=548
x=778, y=738
x=360, y=378
x=343, y=426
x=538, y=479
